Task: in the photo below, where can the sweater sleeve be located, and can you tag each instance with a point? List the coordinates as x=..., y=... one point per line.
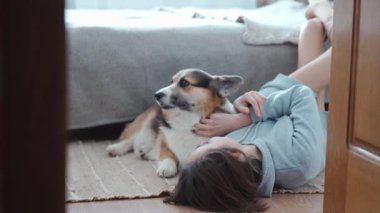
x=305, y=146
x=289, y=97
x=297, y=102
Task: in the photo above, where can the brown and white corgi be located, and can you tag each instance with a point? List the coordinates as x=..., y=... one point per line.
x=164, y=131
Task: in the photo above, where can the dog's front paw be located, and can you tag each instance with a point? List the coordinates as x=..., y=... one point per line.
x=143, y=148
x=118, y=149
x=167, y=168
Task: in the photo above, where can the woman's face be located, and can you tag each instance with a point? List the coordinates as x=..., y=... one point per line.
x=213, y=143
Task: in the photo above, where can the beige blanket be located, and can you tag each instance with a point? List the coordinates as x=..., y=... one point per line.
x=275, y=24
x=93, y=175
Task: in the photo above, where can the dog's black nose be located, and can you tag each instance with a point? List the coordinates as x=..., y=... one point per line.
x=159, y=95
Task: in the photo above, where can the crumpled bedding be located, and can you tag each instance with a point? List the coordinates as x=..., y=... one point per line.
x=276, y=23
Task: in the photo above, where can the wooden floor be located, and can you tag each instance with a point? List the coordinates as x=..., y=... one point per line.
x=279, y=203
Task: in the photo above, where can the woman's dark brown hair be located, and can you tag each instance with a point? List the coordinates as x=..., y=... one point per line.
x=219, y=182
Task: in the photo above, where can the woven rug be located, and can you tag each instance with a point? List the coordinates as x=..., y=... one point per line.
x=93, y=175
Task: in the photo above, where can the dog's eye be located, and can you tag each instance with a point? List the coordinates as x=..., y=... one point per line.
x=183, y=83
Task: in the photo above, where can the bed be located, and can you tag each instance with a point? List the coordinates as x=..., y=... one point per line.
x=118, y=59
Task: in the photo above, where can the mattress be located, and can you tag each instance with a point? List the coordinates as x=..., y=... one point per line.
x=118, y=59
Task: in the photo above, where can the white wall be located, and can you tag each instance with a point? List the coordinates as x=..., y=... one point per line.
x=148, y=4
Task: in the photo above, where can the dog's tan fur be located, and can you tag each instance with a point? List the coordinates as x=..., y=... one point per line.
x=165, y=151
x=137, y=124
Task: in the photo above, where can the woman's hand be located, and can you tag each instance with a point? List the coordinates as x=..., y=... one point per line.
x=220, y=124
x=251, y=98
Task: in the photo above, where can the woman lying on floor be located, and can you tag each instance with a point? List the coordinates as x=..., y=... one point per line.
x=280, y=142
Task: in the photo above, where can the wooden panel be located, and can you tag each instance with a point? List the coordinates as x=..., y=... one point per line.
x=367, y=96
x=336, y=162
x=33, y=58
x=363, y=185
x=354, y=115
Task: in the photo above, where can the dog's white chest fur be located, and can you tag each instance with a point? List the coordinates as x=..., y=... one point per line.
x=180, y=138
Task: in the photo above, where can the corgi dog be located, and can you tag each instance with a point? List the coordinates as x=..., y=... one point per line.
x=164, y=131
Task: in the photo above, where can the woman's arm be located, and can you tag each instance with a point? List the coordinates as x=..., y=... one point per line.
x=298, y=102
x=251, y=99
x=220, y=124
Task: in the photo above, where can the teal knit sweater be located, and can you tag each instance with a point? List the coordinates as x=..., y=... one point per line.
x=291, y=136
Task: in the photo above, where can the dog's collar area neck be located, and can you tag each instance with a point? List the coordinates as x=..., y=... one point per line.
x=184, y=108
x=167, y=107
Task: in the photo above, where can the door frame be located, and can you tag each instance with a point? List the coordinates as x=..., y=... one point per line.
x=33, y=69
x=345, y=21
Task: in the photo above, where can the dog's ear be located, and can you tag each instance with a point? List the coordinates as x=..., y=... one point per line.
x=226, y=85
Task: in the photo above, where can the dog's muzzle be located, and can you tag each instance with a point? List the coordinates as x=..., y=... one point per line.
x=159, y=98
x=172, y=101
x=159, y=95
